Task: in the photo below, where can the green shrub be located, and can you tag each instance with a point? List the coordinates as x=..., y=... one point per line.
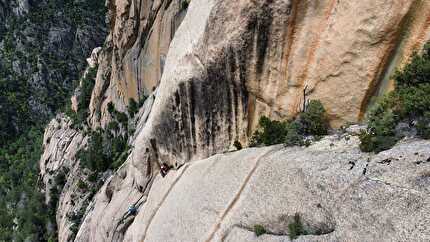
x=413, y=102
x=423, y=126
x=259, y=230
x=237, y=145
x=111, y=108
x=122, y=118
x=271, y=132
x=132, y=107
x=82, y=186
x=380, y=134
x=79, y=118
x=416, y=72
x=93, y=177
x=60, y=179
x=376, y=143
x=105, y=150
x=84, y=99
x=314, y=120
x=113, y=127
x=293, y=137
x=184, y=4
x=409, y=102
x=295, y=229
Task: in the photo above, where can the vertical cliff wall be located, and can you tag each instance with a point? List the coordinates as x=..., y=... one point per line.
x=135, y=51
x=343, y=52
x=215, y=67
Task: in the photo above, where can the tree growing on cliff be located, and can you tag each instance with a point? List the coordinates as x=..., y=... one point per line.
x=312, y=122
x=409, y=103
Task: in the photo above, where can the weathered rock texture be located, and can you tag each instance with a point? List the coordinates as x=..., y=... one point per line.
x=340, y=194
x=137, y=46
x=61, y=144
x=228, y=63
x=232, y=61
x=342, y=51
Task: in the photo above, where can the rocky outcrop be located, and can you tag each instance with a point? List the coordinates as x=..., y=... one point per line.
x=227, y=64
x=60, y=169
x=343, y=52
x=137, y=46
x=339, y=193
x=232, y=61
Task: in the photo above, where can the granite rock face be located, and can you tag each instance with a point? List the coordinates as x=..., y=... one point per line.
x=136, y=50
x=340, y=194
x=343, y=53
x=230, y=62
x=211, y=70
x=61, y=144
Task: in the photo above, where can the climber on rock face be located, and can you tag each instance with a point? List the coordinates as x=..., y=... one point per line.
x=164, y=169
x=132, y=210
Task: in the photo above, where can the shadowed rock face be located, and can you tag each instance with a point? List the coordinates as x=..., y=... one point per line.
x=135, y=51
x=233, y=61
x=228, y=63
x=341, y=51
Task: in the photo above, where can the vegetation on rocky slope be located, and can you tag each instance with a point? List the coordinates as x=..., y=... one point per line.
x=312, y=122
x=406, y=108
x=24, y=216
x=41, y=53
x=108, y=148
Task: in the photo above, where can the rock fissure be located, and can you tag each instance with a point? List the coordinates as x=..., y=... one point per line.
x=184, y=169
x=236, y=196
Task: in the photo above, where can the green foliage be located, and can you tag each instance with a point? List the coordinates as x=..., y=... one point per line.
x=412, y=102
x=107, y=149
x=295, y=229
x=311, y=122
x=20, y=201
x=237, y=145
x=93, y=177
x=79, y=118
x=104, y=151
x=376, y=143
x=60, y=179
x=293, y=137
x=132, y=107
x=82, y=186
x=423, y=126
x=122, y=118
x=259, y=230
x=15, y=110
x=271, y=132
x=380, y=134
x=23, y=213
x=409, y=102
x=110, y=108
x=185, y=4
x=416, y=72
x=76, y=218
x=35, y=59
x=314, y=120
